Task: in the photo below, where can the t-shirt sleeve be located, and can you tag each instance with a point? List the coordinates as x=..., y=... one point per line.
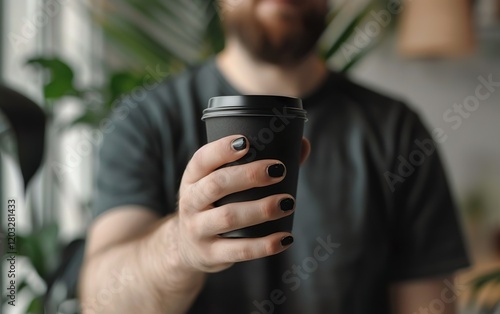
x=428, y=239
x=129, y=163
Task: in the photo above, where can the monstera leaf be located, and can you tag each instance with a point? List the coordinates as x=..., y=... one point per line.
x=59, y=79
x=42, y=248
x=176, y=33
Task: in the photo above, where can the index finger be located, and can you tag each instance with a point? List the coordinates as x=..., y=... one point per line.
x=214, y=155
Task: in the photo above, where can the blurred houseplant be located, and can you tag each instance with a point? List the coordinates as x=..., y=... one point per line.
x=487, y=284
x=22, y=134
x=482, y=222
x=141, y=36
x=176, y=33
x=43, y=247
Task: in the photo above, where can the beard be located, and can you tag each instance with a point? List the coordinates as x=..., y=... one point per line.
x=285, y=40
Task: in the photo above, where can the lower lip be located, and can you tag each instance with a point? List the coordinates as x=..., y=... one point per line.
x=283, y=2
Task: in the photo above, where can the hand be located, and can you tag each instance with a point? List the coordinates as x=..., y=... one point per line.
x=199, y=223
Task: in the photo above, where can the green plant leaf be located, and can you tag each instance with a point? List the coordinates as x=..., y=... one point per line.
x=347, y=32
x=478, y=283
x=151, y=32
x=214, y=35
x=89, y=118
x=28, y=247
x=334, y=13
x=134, y=44
x=356, y=59
x=59, y=81
x=42, y=248
x=121, y=83
x=169, y=18
x=21, y=285
x=36, y=306
x=48, y=239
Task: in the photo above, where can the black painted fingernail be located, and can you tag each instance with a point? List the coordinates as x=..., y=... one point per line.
x=239, y=144
x=276, y=170
x=287, y=204
x=286, y=241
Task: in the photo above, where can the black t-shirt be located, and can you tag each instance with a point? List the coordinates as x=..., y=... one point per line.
x=373, y=205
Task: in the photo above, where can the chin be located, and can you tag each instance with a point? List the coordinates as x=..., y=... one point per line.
x=273, y=32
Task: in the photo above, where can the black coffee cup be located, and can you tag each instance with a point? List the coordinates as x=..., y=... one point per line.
x=274, y=127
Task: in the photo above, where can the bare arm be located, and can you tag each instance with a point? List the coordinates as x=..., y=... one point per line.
x=122, y=266
x=138, y=263
x=433, y=295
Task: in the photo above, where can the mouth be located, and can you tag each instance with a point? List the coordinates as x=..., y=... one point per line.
x=281, y=5
x=280, y=11
x=283, y=2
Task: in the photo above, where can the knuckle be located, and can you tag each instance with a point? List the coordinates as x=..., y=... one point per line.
x=268, y=209
x=198, y=155
x=270, y=248
x=211, y=190
x=227, y=218
x=207, y=254
x=195, y=196
x=183, y=203
x=245, y=254
x=252, y=175
x=215, y=255
x=204, y=259
x=192, y=228
x=190, y=199
x=193, y=164
x=215, y=186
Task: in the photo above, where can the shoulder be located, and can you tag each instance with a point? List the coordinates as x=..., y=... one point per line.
x=386, y=117
x=383, y=123
x=173, y=85
x=379, y=105
x=162, y=95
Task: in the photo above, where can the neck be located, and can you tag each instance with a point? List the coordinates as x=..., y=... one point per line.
x=251, y=76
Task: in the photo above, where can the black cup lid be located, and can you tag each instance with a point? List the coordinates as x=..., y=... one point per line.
x=252, y=105
x=255, y=101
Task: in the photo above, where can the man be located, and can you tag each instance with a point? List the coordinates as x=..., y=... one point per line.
x=373, y=232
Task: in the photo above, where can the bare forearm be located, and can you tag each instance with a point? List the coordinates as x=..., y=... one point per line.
x=140, y=276
x=421, y=296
